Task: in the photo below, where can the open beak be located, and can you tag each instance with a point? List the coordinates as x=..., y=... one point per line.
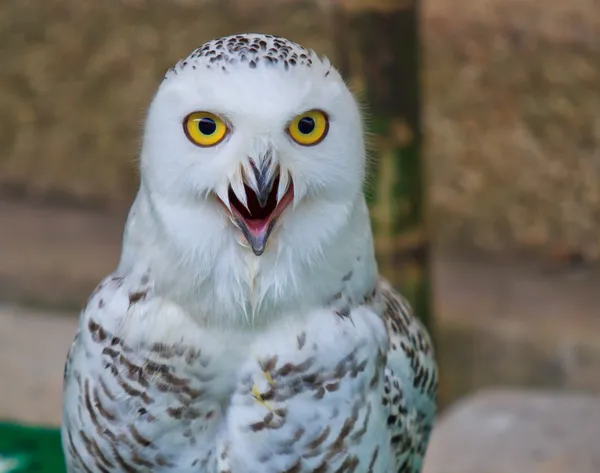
x=257, y=220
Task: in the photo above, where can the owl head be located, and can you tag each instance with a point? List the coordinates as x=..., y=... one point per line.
x=259, y=130
x=253, y=146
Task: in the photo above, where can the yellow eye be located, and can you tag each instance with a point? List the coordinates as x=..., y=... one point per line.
x=309, y=128
x=204, y=129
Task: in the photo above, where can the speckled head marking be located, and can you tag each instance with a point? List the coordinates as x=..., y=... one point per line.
x=251, y=49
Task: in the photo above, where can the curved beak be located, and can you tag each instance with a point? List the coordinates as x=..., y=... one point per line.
x=257, y=218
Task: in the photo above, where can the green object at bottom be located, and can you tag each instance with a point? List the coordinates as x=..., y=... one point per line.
x=25, y=449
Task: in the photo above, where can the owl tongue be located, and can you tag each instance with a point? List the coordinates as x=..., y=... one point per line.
x=256, y=226
x=257, y=221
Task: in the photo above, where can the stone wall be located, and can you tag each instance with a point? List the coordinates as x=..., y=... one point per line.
x=78, y=77
x=512, y=104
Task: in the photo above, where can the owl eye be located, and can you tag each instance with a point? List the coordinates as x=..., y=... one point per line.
x=204, y=128
x=309, y=128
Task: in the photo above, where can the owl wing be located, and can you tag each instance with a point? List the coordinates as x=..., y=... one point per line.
x=411, y=380
x=132, y=404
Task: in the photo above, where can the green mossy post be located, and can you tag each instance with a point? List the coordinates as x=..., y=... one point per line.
x=377, y=43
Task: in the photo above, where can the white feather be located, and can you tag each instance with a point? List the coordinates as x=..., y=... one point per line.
x=237, y=185
x=284, y=184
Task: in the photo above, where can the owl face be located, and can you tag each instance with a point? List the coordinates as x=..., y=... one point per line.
x=258, y=132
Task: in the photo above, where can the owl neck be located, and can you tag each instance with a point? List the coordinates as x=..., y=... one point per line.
x=221, y=283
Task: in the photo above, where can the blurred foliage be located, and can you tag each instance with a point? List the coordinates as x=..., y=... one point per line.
x=27, y=449
x=511, y=99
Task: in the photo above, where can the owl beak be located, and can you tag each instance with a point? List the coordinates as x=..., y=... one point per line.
x=264, y=184
x=256, y=239
x=258, y=218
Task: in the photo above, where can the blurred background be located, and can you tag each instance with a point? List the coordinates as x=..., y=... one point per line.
x=498, y=121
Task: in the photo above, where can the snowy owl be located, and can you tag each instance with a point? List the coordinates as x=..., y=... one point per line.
x=246, y=328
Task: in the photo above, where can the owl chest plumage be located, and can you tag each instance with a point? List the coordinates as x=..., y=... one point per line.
x=305, y=395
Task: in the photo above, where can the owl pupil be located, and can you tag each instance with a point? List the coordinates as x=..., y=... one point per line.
x=306, y=125
x=207, y=126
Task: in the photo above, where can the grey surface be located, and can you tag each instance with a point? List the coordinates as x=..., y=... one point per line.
x=514, y=431
x=33, y=348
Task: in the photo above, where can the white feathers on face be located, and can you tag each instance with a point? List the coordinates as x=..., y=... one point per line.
x=257, y=84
